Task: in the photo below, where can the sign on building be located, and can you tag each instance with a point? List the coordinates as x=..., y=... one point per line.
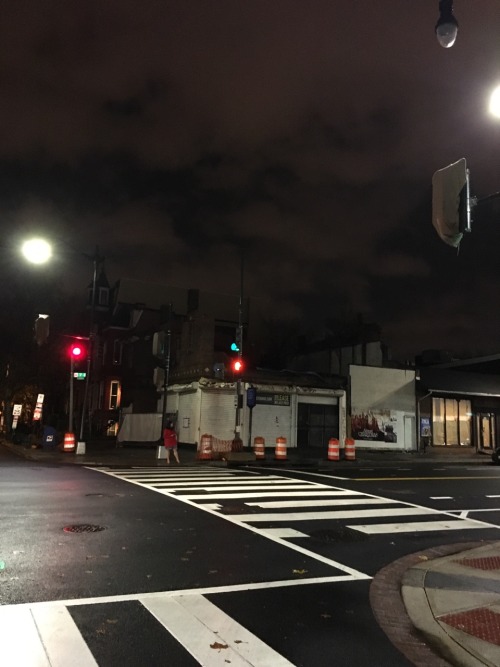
x=272, y=399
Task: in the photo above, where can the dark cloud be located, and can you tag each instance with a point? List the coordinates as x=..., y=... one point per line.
x=172, y=134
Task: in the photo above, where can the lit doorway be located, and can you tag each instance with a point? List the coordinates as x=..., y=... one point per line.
x=486, y=430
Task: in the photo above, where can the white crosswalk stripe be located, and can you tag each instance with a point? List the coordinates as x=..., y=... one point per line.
x=418, y=526
x=211, y=489
x=41, y=636
x=45, y=635
x=197, y=624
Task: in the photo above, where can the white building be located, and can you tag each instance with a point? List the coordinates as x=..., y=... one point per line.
x=382, y=407
x=306, y=416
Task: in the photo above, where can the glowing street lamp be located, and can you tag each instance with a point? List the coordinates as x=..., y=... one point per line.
x=36, y=251
x=494, y=106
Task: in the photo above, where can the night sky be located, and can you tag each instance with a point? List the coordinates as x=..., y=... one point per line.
x=173, y=134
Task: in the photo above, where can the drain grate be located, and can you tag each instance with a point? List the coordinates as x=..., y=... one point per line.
x=83, y=528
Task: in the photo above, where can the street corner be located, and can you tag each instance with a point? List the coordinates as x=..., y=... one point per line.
x=455, y=601
x=399, y=603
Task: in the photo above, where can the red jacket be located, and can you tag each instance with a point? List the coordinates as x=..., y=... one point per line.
x=169, y=438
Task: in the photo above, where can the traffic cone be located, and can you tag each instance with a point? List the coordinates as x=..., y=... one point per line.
x=259, y=448
x=280, y=451
x=350, y=450
x=333, y=450
x=69, y=442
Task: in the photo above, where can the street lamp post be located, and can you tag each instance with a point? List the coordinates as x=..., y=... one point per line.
x=39, y=251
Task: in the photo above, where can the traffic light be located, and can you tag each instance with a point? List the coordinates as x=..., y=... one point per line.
x=236, y=344
x=451, y=202
x=42, y=326
x=77, y=351
x=237, y=366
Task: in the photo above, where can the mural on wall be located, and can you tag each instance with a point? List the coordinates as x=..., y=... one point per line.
x=378, y=425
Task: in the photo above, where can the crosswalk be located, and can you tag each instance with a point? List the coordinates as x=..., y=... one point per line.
x=188, y=625
x=287, y=508
x=193, y=629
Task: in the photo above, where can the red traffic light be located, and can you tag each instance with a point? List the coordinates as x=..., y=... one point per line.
x=76, y=351
x=237, y=366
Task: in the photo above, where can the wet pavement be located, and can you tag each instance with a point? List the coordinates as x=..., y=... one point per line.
x=453, y=600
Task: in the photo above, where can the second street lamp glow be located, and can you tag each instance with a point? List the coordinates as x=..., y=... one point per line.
x=36, y=251
x=495, y=102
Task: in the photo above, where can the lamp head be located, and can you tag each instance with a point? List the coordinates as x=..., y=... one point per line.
x=36, y=251
x=447, y=25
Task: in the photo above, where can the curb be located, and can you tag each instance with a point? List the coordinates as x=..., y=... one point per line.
x=413, y=631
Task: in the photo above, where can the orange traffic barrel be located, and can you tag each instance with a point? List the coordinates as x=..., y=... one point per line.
x=333, y=449
x=350, y=450
x=69, y=442
x=205, y=453
x=259, y=447
x=280, y=451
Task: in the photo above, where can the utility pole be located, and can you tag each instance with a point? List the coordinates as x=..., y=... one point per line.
x=96, y=260
x=166, y=365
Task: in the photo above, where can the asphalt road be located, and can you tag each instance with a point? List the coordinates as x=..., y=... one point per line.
x=188, y=566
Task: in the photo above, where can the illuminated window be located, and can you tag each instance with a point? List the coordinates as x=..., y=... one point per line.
x=451, y=410
x=451, y=422
x=464, y=423
x=114, y=395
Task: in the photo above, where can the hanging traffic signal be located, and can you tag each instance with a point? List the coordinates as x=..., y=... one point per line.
x=42, y=328
x=451, y=202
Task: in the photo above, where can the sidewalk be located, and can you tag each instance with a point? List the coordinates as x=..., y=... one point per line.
x=455, y=602
x=108, y=454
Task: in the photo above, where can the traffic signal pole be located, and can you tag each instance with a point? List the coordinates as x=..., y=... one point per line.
x=237, y=427
x=71, y=399
x=95, y=259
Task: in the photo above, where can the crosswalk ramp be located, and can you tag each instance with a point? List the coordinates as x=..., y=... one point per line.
x=183, y=630
x=288, y=508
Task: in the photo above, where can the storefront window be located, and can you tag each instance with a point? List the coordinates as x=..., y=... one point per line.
x=465, y=422
x=438, y=433
x=451, y=422
x=451, y=411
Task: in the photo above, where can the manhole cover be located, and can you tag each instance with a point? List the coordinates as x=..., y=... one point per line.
x=83, y=528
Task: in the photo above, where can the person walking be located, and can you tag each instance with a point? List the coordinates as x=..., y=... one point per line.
x=170, y=441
